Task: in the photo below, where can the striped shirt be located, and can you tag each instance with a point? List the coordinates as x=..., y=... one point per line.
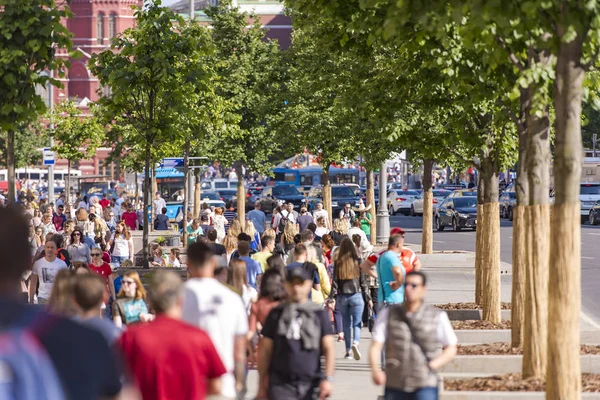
x=229, y=216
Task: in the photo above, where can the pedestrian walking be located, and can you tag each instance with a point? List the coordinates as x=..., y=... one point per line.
x=219, y=222
x=121, y=244
x=130, y=306
x=304, y=219
x=320, y=212
x=418, y=341
x=340, y=230
x=258, y=218
x=220, y=312
x=168, y=358
x=44, y=271
x=157, y=205
x=61, y=296
x=255, y=237
x=295, y=336
x=407, y=256
x=349, y=287
x=237, y=278
x=391, y=273
x=78, y=251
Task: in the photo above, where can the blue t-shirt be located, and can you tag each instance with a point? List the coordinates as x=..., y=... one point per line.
x=259, y=219
x=129, y=310
x=385, y=263
x=253, y=269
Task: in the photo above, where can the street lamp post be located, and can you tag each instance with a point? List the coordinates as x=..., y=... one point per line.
x=51, y=166
x=383, y=216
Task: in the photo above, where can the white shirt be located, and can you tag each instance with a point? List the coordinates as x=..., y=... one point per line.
x=445, y=333
x=321, y=213
x=46, y=271
x=121, y=246
x=220, y=312
x=248, y=297
x=158, y=204
x=321, y=230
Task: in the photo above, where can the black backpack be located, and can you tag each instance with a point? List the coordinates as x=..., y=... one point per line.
x=283, y=221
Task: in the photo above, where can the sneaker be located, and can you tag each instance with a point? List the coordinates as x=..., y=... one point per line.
x=355, y=351
x=348, y=356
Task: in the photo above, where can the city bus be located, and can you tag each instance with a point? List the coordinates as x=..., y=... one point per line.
x=169, y=182
x=307, y=177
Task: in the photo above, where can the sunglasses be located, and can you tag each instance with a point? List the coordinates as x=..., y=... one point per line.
x=96, y=254
x=77, y=234
x=111, y=215
x=128, y=282
x=412, y=285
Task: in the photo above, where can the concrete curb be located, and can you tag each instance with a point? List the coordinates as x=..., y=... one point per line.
x=465, y=315
x=501, y=364
x=481, y=336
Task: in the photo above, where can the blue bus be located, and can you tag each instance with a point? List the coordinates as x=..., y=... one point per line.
x=307, y=177
x=169, y=182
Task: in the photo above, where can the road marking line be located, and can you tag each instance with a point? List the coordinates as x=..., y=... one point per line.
x=590, y=321
x=437, y=241
x=588, y=258
x=595, y=234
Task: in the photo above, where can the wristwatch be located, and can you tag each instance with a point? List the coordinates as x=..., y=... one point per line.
x=328, y=378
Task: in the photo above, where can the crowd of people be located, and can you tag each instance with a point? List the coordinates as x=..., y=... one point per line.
x=267, y=293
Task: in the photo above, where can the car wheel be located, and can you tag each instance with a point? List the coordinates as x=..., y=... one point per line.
x=412, y=211
x=455, y=226
x=510, y=214
x=438, y=225
x=592, y=218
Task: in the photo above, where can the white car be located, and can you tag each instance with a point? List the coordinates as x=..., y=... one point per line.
x=212, y=199
x=589, y=196
x=438, y=196
x=401, y=200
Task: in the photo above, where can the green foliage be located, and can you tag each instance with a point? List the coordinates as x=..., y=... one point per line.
x=29, y=141
x=77, y=136
x=249, y=71
x=30, y=34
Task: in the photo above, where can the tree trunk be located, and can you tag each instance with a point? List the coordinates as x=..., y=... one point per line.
x=241, y=198
x=538, y=226
x=564, y=306
x=147, y=184
x=327, y=193
x=68, y=187
x=520, y=242
x=490, y=256
x=137, y=191
x=371, y=202
x=10, y=166
x=186, y=173
x=481, y=229
x=427, y=236
x=197, y=190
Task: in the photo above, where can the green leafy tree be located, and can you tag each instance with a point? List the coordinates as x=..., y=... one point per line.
x=30, y=34
x=150, y=69
x=249, y=71
x=77, y=135
x=29, y=140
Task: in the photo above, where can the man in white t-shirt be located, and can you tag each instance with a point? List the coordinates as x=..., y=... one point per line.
x=157, y=205
x=44, y=271
x=421, y=339
x=218, y=311
x=320, y=212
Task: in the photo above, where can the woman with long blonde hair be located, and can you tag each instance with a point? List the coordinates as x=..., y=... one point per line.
x=235, y=228
x=349, y=286
x=230, y=243
x=340, y=230
x=61, y=296
x=250, y=230
x=287, y=239
x=130, y=307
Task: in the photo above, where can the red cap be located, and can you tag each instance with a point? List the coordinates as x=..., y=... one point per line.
x=397, y=231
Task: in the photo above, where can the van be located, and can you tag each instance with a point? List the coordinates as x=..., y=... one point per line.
x=215, y=184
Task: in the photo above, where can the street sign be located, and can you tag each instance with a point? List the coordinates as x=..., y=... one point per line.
x=48, y=156
x=174, y=162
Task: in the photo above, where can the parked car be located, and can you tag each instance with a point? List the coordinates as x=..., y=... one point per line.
x=508, y=201
x=439, y=195
x=589, y=195
x=340, y=195
x=253, y=195
x=594, y=216
x=457, y=212
x=212, y=199
x=464, y=193
x=275, y=196
x=401, y=201
x=227, y=194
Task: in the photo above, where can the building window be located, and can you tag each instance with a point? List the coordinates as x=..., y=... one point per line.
x=100, y=28
x=112, y=26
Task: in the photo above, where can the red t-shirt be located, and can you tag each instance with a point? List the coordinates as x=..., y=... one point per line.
x=170, y=360
x=104, y=203
x=104, y=270
x=130, y=218
x=407, y=256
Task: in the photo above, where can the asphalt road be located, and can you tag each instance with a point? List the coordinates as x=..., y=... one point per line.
x=465, y=240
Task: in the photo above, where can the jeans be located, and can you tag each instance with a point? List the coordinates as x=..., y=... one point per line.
x=426, y=393
x=118, y=259
x=351, y=306
x=280, y=389
x=337, y=317
x=89, y=241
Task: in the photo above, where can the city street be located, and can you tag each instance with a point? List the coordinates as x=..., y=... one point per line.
x=448, y=240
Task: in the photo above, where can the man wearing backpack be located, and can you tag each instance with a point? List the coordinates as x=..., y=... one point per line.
x=418, y=340
x=52, y=357
x=295, y=335
x=288, y=214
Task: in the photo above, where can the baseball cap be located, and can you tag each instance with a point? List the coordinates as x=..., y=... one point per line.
x=397, y=231
x=297, y=274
